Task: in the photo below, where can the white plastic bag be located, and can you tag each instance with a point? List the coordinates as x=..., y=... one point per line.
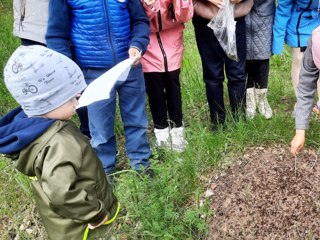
x=224, y=28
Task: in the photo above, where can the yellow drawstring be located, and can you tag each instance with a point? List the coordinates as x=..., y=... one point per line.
x=86, y=232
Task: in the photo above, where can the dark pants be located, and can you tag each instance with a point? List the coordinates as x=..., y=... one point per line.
x=214, y=62
x=84, y=121
x=28, y=42
x=257, y=73
x=163, y=89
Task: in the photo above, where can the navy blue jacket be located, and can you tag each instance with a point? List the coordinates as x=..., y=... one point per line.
x=17, y=130
x=100, y=31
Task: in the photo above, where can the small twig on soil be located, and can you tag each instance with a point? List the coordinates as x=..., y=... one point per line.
x=295, y=165
x=38, y=229
x=315, y=160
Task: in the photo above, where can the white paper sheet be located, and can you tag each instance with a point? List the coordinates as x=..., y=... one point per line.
x=100, y=88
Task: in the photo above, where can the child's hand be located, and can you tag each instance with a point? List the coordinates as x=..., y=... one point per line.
x=316, y=108
x=149, y=2
x=235, y=1
x=297, y=142
x=218, y=3
x=98, y=225
x=135, y=53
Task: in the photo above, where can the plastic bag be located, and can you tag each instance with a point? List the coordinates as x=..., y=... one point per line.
x=224, y=28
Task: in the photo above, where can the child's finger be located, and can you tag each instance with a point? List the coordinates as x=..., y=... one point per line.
x=293, y=150
x=220, y=5
x=149, y=2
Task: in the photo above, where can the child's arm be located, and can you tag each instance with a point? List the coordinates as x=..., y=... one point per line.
x=281, y=19
x=140, y=29
x=309, y=75
x=151, y=7
x=205, y=9
x=208, y=10
x=242, y=8
x=58, y=31
x=218, y=3
x=183, y=10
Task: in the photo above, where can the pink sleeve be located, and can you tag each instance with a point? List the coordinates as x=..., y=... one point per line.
x=183, y=10
x=151, y=11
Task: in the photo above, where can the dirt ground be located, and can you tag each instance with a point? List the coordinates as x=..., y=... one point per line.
x=265, y=194
x=268, y=194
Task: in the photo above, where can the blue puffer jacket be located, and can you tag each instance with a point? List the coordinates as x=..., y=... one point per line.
x=294, y=22
x=100, y=31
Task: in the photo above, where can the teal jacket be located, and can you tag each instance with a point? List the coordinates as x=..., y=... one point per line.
x=294, y=22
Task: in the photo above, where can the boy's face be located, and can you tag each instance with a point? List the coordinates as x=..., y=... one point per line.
x=65, y=111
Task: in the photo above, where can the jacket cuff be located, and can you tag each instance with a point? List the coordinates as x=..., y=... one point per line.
x=302, y=126
x=99, y=217
x=277, y=49
x=137, y=46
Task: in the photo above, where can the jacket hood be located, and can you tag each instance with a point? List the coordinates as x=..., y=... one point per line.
x=17, y=130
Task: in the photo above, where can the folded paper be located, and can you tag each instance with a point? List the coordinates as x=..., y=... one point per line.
x=100, y=88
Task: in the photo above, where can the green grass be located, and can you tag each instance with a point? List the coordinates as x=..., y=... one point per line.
x=7, y=45
x=170, y=206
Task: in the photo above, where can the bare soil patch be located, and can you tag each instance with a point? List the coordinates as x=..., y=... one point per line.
x=267, y=196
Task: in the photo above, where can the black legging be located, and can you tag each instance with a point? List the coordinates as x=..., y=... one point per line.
x=257, y=73
x=163, y=89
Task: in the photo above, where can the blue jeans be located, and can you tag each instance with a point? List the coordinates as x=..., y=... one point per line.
x=132, y=99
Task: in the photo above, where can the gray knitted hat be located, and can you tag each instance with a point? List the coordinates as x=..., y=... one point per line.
x=41, y=80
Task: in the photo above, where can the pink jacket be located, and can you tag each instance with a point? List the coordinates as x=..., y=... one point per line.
x=165, y=50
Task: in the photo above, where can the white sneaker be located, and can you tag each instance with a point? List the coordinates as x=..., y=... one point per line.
x=250, y=103
x=177, y=139
x=262, y=102
x=162, y=137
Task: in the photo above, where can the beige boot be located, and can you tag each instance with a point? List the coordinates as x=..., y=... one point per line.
x=250, y=103
x=162, y=137
x=262, y=103
x=177, y=139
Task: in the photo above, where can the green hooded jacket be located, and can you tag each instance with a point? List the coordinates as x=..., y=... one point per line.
x=70, y=186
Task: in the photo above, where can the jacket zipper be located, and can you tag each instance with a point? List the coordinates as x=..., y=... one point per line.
x=160, y=43
x=109, y=33
x=22, y=13
x=298, y=23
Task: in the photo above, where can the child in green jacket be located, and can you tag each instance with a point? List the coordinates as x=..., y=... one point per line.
x=68, y=182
